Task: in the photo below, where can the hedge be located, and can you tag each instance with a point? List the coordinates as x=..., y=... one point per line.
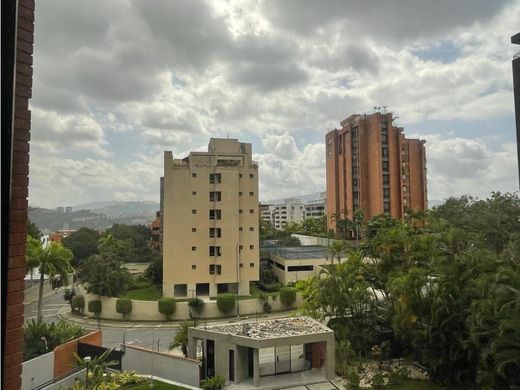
x=166, y=306
x=124, y=306
x=196, y=304
x=288, y=295
x=78, y=303
x=95, y=307
x=226, y=302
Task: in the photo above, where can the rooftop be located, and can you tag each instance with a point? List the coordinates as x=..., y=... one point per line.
x=301, y=252
x=271, y=329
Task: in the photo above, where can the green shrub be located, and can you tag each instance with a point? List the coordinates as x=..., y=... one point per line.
x=124, y=306
x=226, y=302
x=68, y=294
x=287, y=295
x=126, y=378
x=353, y=378
x=377, y=381
x=166, y=306
x=78, y=303
x=214, y=382
x=95, y=307
x=196, y=304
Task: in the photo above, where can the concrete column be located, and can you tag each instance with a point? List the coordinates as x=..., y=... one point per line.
x=330, y=361
x=212, y=289
x=191, y=290
x=256, y=367
x=192, y=347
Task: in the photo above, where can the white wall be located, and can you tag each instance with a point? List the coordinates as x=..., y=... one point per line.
x=148, y=310
x=166, y=366
x=37, y=371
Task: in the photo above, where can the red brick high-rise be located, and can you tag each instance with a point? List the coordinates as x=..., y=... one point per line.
x=372, y=166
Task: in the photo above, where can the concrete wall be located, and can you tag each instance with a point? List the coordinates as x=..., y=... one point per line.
x=37, y=371
x=313, y=240
x=164, y=365
x=64, y=361
x=148, y=310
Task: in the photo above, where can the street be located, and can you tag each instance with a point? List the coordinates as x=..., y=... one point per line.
x=112, y=336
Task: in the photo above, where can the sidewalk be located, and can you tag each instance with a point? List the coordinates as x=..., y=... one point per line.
x=65, y=314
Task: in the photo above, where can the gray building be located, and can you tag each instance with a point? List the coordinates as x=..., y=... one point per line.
x=296, y=349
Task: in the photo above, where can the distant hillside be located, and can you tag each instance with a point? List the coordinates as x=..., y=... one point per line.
x=96, y=215
x=120, y=208
x=304, y=198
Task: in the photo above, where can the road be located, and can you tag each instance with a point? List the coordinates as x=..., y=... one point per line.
x=112, y=336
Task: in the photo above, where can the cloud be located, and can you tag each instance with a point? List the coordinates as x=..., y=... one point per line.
x=458, y=166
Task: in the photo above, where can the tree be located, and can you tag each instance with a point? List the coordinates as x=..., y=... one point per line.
x=116, y=250
x=138, y=235
x=32, y=248
x=32, y=230
x=337, y=250
x=154, y=271
x=53, y=260
x=104, y=276
x=83, y=243
x=181, y=338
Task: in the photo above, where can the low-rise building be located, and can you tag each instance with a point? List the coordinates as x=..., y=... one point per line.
x=291, y=264
x=316, y=208
x=296, y=351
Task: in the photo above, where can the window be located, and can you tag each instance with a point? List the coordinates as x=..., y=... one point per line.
x=251, y=211
x=194, y=211
x=251, y=176
x=240, y=193
x=386, y=179
x=215, y=178
x=215, y=214
x=252, y=265
x=354, y=170
x=296, y=268
x=240, y=211
x=241, y=265
x=251, y=229
x=214, y=232
x=193, y=230
x=240, y=229
x=384, y=138
x=386, y=193
x=193, y=266
x=215, y=196
x=193, y=248
x=355, y=182
x=194, y=193
x=240, y=175
x=251, y=247
x=215, y=269
x=251, y=193
x=214, y=251
x=193, y=175
x=404, y=188
x=240, y=247
x=386, y=206
x=385, y=152
x=385, y=166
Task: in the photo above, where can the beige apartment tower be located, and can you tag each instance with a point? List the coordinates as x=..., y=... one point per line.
x=211, y=222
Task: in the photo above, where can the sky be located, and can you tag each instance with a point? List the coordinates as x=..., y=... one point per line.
x=118, y=82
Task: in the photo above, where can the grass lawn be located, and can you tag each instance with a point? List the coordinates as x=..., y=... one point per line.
x=157, y=385
x=145, y=294
x=411, y=384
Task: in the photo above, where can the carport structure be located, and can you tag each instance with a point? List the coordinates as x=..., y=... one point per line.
x=250, y=350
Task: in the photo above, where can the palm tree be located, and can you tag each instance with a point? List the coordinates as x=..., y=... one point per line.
x=181, y=338
x=32, y=246
x=337, y=250
x=52, y=260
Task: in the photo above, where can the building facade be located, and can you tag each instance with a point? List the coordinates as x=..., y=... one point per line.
x=210, y=221
x=515, y=39
x=291, y=211
x=316, y=208
x=266, y=212
x=372, y=166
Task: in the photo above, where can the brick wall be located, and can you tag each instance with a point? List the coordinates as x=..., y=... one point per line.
x=12, y=365
x=64, y=360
